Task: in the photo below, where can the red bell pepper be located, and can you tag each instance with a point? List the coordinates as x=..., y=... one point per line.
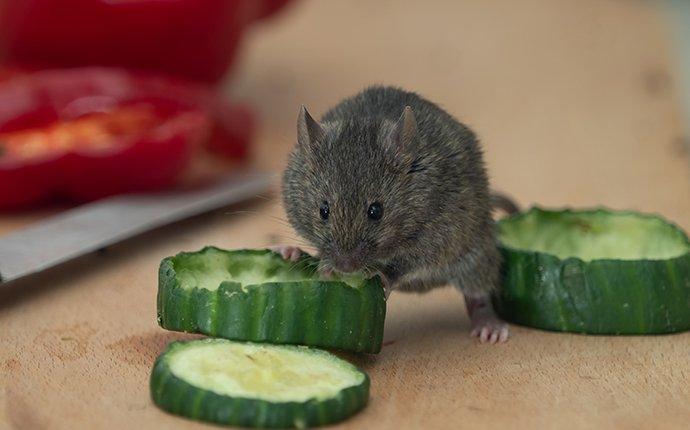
x=88, y=133
x=194, y=39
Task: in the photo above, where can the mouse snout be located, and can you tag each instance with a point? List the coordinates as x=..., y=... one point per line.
x=348, y=259
x=346, y=264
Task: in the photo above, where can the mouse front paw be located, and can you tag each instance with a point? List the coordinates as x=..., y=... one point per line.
x=489, y=329
x=290, y=253
x=326, y=272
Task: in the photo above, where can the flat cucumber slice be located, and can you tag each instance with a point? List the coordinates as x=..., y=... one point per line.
x=256, y=385
x=255, y=295
x=594, y=271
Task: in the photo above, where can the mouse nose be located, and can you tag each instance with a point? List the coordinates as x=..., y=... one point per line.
x=346, y=264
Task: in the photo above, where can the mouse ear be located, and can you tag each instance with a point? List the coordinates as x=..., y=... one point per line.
x=309, y=132
x=405, y=130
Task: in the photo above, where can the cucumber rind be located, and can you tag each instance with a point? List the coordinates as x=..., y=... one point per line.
x=601, y=296
x=238, y=312
x=180, y=397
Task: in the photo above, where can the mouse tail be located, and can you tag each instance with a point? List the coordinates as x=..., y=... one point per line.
x=503, y=203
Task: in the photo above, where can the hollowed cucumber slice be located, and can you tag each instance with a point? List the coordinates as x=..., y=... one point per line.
x=594, y=271
x=255, y=295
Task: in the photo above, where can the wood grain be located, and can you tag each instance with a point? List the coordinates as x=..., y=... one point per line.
x=574, y=102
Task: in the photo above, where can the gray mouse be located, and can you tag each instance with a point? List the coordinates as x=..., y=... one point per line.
x=388, y=183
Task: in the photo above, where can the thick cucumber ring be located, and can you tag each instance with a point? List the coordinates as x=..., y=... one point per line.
x=255, y=295
x=256, y=385
x=594, y=271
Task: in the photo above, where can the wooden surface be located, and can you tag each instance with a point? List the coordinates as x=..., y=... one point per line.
x=574, y=102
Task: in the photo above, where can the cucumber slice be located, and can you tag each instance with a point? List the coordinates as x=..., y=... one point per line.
x=594, y=271
x=255, y=295
x=256, y=385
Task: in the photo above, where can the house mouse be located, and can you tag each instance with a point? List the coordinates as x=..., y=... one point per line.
x=389, y=183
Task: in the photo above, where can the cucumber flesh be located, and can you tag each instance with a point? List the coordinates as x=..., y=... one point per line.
x=594, y=235
x=257, y=385
x=263, y=372
x=209, y=269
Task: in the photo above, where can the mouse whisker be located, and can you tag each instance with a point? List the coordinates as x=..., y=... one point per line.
x=280, y=220
x=296, y=240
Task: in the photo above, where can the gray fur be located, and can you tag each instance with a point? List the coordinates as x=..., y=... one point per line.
x=426, y=169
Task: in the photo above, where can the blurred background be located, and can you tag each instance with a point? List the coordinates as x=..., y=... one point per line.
x=576, y=103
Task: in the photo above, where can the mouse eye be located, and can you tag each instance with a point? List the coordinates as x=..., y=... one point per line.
x=324, y=210
x=375, y=211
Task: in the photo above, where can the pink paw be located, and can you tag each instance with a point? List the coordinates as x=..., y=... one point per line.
x=291, y=253
x=490, y=329
x=326, y=272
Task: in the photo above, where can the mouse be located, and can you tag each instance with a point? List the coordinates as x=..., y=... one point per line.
x=388, y=183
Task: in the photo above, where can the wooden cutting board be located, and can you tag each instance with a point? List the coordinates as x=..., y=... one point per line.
x=574, y=102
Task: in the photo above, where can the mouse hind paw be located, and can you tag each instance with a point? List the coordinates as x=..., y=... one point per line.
x=490, y=330
x=485, y=324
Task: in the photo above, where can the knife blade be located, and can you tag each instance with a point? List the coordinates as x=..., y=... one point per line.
x=93, y=226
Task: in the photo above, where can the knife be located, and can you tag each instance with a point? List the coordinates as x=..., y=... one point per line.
x=93, y=226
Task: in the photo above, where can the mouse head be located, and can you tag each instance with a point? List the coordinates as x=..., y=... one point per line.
x=355, y=189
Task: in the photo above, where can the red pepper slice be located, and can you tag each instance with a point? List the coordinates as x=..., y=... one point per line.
x=93, y=132
x=194, y=39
